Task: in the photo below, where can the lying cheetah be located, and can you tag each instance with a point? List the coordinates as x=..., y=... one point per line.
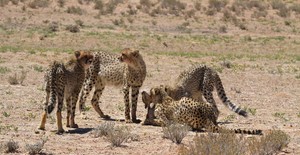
x=65, y=80
x=198, y=115
x=126, y=71
x=200, y=80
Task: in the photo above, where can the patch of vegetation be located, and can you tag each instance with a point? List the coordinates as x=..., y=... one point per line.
x=39, y=4
x=61, y=3
x=4, y=70
x=118, y=135
x=16, y=79
x=211, y=144
x=36, y=148
x=217, y=4
x=38, y=68
x=175, y=132
x=73, y=28
x=75, y=10
x=103, y=129
x=5, y=114
x=271, y=143
x=230, y=143
x=280, y=115
x=10, y=146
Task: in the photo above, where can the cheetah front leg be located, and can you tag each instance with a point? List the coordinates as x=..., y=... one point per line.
x=126, y=102
x=60, y=99
x=44, y=116
x=71, y=105
x=99, y=87
x=134, y=100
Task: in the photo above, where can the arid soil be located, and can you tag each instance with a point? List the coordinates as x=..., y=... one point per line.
x=259, y=68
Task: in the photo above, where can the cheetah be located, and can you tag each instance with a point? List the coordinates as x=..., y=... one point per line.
x=127, y=71
x=197, y=115
x=200, y=80
x=65, y=81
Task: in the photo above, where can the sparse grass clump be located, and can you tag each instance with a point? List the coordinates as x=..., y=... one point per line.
x=103, y=129
x=61, y=3
x=217, y=4
x=211, y=144
x=39, y=4
x=176, y=132
x=118, y=135
x=73, y=28
x=271, y=143
x=75, y=10
x=37, y=147
x=230, y=143
x=10, y=147
x=4, y=70
x=15, y=79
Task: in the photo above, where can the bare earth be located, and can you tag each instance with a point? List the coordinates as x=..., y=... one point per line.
x=264, y=74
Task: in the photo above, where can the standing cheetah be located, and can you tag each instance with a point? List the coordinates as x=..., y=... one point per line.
x=65, y=81
x=198, y=115
x=126, y=71
x=200, y=80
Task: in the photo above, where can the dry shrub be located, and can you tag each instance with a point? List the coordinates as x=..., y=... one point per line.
x=53, y=27
x=98, y=5
x=146, y=3
x=61, y=3
x=260, y=5
x=75, y=10
x=73, y=28
x=103, y=129
x=37, y=147
x=16, y=79
x=10, y=147
x=217, y=4
x=269, y=144
x=118, y=135
x=284, y=11
x=175, y=132
x=259, y=14
x=233, y=144
x=3, y=2
x=296, y=8
x=39, y=4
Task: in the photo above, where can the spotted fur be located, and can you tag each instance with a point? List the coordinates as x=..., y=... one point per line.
x=198, y=115
x=127, y=71
x=198, y=81
x=65, y=81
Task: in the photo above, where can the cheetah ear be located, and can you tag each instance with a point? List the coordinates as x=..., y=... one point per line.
x=77, y=54
x=146, y=99
x=136, y=53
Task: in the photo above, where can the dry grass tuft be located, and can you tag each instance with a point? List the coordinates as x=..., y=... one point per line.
x=103, y=129
x=271, y=143
x=10, y=147
x=37, y=147
x=15, y=79
x=231, y=143
x=175, y=132
x=118, y=135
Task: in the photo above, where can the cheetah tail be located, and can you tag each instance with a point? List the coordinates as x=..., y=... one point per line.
x=225, y=100
x=53, y=89
x=249, y=132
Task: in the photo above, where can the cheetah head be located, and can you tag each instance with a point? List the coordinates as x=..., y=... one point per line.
x=130, y=57
x=151, y=100
x=85, y=58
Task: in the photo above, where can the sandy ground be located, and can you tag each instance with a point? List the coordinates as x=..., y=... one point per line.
x=264, y=75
